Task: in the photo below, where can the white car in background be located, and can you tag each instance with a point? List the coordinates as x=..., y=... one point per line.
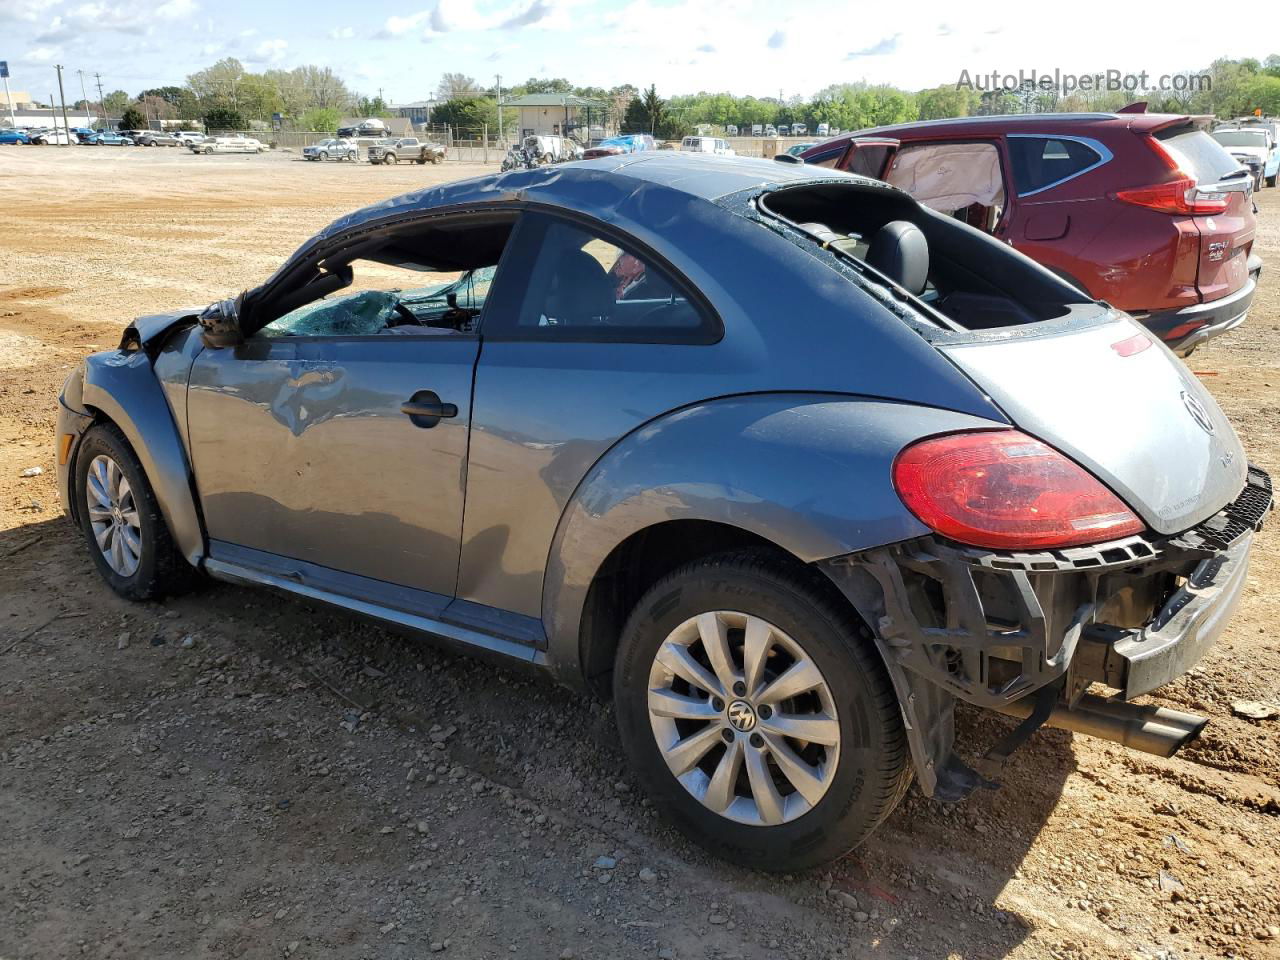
x=332, y=148
x=229, y=145
x=707, y=145
x=188, y=137
x=52, y=136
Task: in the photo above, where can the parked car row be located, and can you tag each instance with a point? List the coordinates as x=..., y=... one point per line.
x=1147, y=212
x=779, y=130
x=117, y=138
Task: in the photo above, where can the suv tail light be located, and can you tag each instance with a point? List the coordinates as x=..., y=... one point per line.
x=1006, y=490
x=1180, y=196
x=1176, y=196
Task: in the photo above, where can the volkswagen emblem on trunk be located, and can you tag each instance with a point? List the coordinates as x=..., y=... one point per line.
x=742, y=716
x=1198, y=413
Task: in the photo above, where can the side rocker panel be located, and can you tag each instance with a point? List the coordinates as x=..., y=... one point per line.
x=808, y=472
x=123, y=386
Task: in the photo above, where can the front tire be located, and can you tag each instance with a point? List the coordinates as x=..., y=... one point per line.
x=1271, y=180
x=757, y=712
x=127, y=536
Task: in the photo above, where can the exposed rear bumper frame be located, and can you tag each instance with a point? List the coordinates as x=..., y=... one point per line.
x=992, y=628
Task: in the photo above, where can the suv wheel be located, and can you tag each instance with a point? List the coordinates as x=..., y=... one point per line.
x=122, y=524
x=207, y=150
x=758, y=713
x=388, y=158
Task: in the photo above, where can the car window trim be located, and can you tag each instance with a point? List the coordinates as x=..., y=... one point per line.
x=311, y=257
x=710, y=332
x=1104, y=156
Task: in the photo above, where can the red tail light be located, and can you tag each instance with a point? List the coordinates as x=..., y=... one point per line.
x=1179, y=196
x=1004, y=489
x=1176, y=196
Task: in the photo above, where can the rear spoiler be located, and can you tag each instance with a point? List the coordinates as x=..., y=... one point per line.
x=1200, y=122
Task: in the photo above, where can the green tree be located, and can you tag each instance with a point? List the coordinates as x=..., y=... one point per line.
x=172, y=94
x=132, y=119
x=646, y=113
x=946, y=101
x=558, y=85
x=223, y=118
x=115, y=102
x=325, y=119
x=372, y=107
x=469, y=116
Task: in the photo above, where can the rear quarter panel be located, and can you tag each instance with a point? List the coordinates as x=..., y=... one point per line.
x=808, y=472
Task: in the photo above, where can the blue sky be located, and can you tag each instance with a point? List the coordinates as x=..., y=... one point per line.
x=743, y=46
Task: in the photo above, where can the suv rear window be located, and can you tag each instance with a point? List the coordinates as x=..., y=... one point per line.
x=1197, y=153
x=1040, y=162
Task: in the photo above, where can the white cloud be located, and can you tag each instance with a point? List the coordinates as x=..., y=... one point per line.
x=269, y=51
x=176, y=9
x=395, y=26
x=41, y=55
x=24, y=11
x=342, y=33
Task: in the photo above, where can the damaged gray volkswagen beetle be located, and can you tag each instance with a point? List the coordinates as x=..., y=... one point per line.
x=783, y=461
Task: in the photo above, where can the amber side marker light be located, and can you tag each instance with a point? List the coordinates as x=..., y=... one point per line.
x=64, y=448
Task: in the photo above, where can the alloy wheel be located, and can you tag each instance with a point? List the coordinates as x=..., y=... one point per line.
x=743, y=718
x=113, y=515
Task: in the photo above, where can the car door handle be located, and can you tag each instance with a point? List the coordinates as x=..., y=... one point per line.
x=426, y=409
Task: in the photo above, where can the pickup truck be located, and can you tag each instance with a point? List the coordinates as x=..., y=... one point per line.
x=405, y=148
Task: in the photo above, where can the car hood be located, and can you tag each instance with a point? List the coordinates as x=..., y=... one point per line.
x=1112, y=397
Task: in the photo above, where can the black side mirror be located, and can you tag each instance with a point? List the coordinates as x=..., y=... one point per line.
x=451, y=298
x=220, y=324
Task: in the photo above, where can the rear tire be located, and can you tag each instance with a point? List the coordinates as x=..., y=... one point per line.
x=769, y=814
x=139, y=560
x=1271, y=180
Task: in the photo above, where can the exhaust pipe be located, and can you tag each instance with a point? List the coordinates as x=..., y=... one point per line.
x=1149, y=729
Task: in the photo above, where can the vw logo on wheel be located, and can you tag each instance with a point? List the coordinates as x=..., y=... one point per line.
x=742, y=715
x=1198, y=413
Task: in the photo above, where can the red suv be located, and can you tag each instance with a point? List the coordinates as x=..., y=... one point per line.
x=1145, y=211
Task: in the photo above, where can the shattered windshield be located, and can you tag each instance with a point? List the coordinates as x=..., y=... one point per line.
x=370, y=312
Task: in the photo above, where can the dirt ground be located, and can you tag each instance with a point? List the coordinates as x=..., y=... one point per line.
x=236, y=774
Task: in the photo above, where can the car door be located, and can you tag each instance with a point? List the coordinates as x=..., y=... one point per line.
x=591, y=336
x=338, y=443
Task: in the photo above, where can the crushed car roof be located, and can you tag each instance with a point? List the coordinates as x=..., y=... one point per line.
x=599, y=185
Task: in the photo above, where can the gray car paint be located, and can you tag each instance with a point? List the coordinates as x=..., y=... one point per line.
x=1122, y=417
x=810, y=473
x=122, y=386
x=300, y=448
x=546, y=414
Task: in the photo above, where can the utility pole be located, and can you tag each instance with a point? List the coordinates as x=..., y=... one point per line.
x=85, y=99
x=63, y=97
x=8, y=98
x=501, y=139
x=102, y=101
